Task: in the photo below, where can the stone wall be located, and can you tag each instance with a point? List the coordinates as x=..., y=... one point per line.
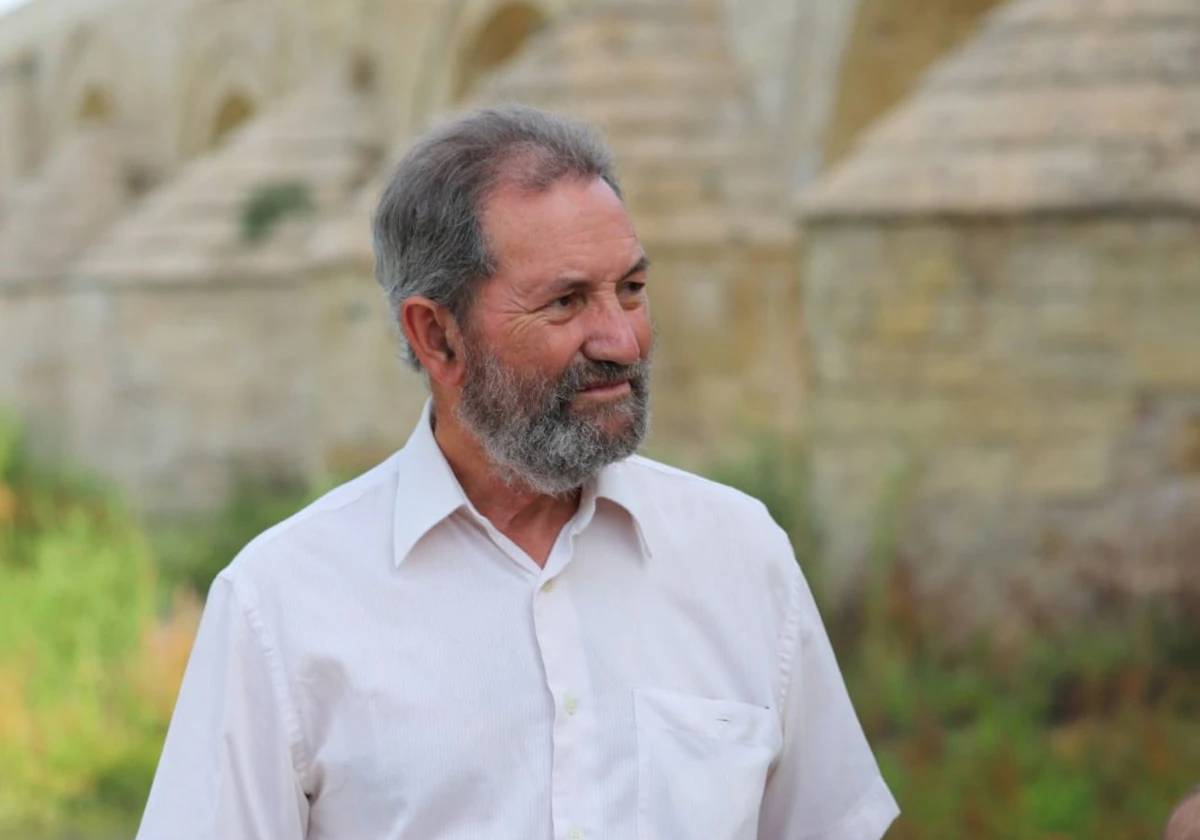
x=1016, y=384
x=176, y=390
x=728, y=355
x=173, y=389
x=726, y=295
x=31, y=378
x=369, y=399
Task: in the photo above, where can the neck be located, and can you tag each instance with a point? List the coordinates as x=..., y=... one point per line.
x=530, y=519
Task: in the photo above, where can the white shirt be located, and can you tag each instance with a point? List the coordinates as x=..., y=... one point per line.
x=386, y=665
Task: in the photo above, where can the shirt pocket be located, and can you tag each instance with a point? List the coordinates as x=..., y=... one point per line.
x=702, y=765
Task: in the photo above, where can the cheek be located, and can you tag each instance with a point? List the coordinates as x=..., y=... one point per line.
x=560, y=346
x=545, y=348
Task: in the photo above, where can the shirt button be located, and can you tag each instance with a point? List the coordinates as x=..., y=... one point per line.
x=548, y=586
x=571, y=704
x=575, y=834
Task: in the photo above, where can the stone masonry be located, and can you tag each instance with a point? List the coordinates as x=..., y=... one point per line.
x=1003, y=307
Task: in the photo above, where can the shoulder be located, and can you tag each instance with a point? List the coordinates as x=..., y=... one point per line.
x=350, y=521
x=721, y=546
x=704, y=518
x=685, y=493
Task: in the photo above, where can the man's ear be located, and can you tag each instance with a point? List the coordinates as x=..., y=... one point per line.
x=435, y=338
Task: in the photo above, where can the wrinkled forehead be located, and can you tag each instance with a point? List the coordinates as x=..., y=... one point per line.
x=576, y=226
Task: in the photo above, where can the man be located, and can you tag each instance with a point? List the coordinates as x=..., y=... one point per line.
x=514, y=628
x=1185, y=821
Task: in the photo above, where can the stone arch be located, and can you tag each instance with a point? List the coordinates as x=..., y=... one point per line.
x=891, y=46
x=233, y=112
x=88, y=85
x=458, y=27
x=363, y=72
x=498, y=40
x=852, y=60
x=96, y=107
x=227, y=88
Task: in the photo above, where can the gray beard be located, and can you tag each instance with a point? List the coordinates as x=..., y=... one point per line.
x=534, y=437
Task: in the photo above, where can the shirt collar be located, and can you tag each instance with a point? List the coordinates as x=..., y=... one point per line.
x=428, y=492
x=618, y=484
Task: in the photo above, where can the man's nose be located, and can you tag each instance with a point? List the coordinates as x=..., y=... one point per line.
x=612, y=336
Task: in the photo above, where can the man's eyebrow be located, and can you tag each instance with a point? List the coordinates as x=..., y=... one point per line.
x=562, y=285
x=638, y=267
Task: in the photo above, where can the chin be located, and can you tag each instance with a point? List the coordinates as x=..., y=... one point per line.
x=619, y=427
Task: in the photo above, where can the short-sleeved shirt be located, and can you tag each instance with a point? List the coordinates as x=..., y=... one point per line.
x=386, y=665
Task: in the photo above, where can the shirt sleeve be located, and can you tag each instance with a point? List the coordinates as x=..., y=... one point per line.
x=228, y=769
x=826, y=785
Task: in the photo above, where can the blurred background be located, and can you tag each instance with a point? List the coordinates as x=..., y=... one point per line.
x=927, y=280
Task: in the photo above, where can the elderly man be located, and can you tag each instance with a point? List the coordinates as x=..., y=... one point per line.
x=514, y=628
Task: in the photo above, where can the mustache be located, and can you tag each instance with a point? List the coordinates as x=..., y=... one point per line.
x=593, y=374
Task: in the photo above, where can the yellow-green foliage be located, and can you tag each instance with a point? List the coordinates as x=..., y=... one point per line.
x=87, y=673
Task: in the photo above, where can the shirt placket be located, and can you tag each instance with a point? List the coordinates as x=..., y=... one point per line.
x=556, y=624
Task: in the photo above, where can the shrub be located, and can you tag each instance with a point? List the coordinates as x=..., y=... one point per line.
x=269, y=204
x=85, y=666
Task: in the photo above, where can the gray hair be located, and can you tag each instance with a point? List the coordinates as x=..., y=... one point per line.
x=428, y=233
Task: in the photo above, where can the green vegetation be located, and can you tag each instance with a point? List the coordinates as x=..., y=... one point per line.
x=1092, y=733
x=87, y=674
x=270, y=204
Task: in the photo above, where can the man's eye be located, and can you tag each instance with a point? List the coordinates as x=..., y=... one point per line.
x=634, y=286
x=563, y=302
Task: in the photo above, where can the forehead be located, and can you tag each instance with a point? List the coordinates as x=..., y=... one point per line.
x=575, y=225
